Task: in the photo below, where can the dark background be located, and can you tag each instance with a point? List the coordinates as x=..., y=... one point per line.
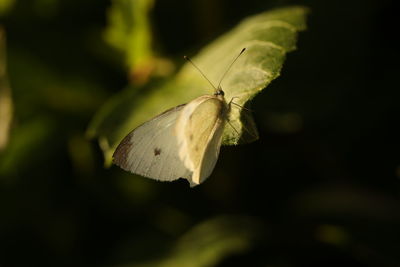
x=322, y=181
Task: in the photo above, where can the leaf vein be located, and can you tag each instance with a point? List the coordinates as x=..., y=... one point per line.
x=277, y=24
x=269, y=44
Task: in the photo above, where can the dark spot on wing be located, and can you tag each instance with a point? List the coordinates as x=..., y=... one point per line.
x=191, y=137
x=157, y=151
x=120, y=155
x=196, y=148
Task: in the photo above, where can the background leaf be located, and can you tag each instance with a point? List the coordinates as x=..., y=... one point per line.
x=267, y=37
x=209, y=242
x=129, y=32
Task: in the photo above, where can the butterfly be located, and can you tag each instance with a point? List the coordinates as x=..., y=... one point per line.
x=182, y=142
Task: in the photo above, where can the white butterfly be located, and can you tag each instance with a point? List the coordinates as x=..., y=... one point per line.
x=182, y=142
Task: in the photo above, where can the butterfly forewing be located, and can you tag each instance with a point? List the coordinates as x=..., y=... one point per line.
x=151, y=150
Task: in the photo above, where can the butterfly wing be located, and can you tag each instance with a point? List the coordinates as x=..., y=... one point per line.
x=151, y=150
x=199, y=129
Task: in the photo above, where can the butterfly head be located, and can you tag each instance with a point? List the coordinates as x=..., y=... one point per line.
x=219, y=92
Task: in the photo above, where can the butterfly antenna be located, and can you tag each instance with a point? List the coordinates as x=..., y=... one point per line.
x=194, y=65
x=230, y=66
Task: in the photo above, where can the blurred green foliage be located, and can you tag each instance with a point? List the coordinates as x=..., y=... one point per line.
x=129, y=31
x=319, y=188
x=5, y=6
x=6, y=106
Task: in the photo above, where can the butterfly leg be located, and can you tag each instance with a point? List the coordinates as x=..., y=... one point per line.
x=233, y=127
x=241, y=107
x=237, y=105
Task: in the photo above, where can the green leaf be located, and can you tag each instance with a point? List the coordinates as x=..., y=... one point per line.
x=209, y=242
x=129, y=31
x=267, y=36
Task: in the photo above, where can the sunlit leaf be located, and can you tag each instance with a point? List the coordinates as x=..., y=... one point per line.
x=267, y=36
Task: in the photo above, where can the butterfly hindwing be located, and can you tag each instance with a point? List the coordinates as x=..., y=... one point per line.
x=199, y=131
